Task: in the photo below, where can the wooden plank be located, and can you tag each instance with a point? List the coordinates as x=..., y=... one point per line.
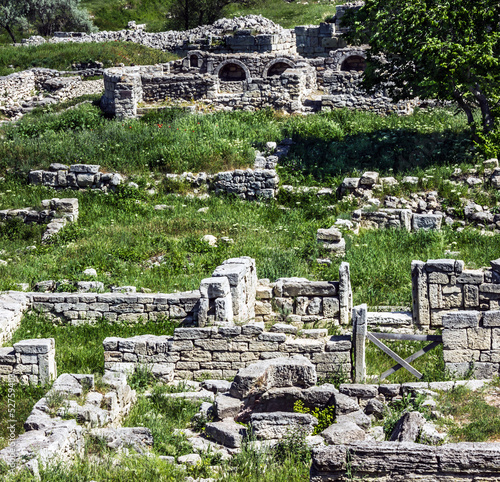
x=400, y=336
x=394, y=356
x=410, y=359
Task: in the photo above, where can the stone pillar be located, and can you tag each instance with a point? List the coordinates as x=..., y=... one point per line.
x=359, y=327
x=122, y=92
x=420, y=295
x=345, y=293
x=242, y=277
x=216, y=302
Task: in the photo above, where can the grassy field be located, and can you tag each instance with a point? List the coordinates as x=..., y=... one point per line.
x=326, y=144
x=61, y=56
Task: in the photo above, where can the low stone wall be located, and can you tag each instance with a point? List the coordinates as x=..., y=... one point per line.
x=77, y=176
x=471, y=343
x=397, y=218
x=343, y=89
x=56, y=213
x=248, y=184
x=29, y=361
x=83, y=307
x=13, y=304
x=442, y=285
x=406, y=461
x=219, y=352
x=302, y=302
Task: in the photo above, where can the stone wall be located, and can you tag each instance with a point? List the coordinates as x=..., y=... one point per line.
x=471, y=343
x=443, y=285
x=56, y=213
x=396, y=218
x=317, y=40
x=77, y=176
x=248, y=184
x=219, y=352
x=78, y=308
x=13, y=304
x=306, y=303
x=29, y=361
x=402, y=462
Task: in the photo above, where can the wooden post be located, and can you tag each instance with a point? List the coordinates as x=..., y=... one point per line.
x=359, y=325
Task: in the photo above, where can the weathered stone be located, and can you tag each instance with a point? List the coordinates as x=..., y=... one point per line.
x=408, y=427
x=227, y=433
x=343, y=433
x=277, y=425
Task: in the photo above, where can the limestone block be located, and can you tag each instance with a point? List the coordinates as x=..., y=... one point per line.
x=426, y=222
x=227, y=433
x=277, y=425
x=214, y=287
x=479, y=338
x=274, y=373
x=491, y=318
x=461, y=356
x=330, y=235
x=435, y=296
x=309, y=288
x=451, y=297
x=443, y=265
x=455, y=339
x=471, y=296
x=369, y=178
x=461, y=319
x=85, y=168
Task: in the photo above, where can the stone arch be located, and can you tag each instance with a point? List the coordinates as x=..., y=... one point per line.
x=277, y=67
x=354, y=62
x=232, y=71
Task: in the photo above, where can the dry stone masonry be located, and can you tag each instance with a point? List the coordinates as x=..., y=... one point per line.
x=55, y=213
x=77, y=176
x=29, y=361
x=443, y=285
x=219, y=352
x=471, y=343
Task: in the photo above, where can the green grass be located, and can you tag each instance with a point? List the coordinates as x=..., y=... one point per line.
x=20, y=399
x=474, y=420
x=79, y=348
x=61, y=56
x=326, y=145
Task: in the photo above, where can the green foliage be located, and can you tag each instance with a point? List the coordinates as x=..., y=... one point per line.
x=49, y=16
x=61, y=56
x=325, y=416
x=141, y=378
x=293, y=446
x=432, y=49
x=16, y=229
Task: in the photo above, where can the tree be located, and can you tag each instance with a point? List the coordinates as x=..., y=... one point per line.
x=50, y=16
x=448, y=50
x=13, y=15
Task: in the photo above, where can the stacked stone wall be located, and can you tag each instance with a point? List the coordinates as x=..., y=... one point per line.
x=318, y=40
x=248, y=184
x=471, y=343
x=29, y=361
x=396, y=218
x=219, y=352
x=305, y=303
x=444, y=285
x=406, y=462
x=77, y=176
x=78, y=308
x=13, y=304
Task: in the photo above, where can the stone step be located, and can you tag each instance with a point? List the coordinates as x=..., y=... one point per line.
x=395, y=318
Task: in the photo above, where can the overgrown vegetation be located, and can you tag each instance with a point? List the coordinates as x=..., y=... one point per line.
x=61, y=56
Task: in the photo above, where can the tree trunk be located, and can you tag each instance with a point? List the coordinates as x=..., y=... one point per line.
x=9, y=31
x=468, y=112
x=488, y=120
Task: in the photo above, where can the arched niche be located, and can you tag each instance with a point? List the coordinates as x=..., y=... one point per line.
x=277, y=66
x=353, y=62
x=232, y=71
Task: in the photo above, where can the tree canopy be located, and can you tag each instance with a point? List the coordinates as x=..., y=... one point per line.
x=447, y=50
x=47, y=16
